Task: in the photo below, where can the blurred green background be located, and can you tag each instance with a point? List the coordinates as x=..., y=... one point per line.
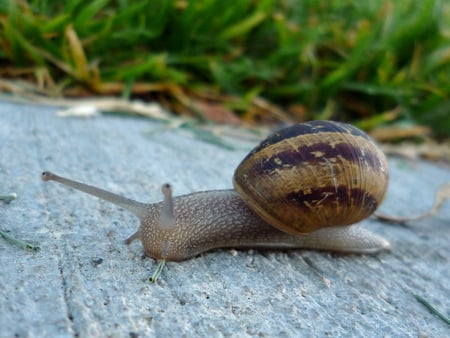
x=370, y=62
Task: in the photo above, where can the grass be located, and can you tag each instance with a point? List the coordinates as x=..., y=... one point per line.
x=344, y=59
x=18, y=242
x=432, y=309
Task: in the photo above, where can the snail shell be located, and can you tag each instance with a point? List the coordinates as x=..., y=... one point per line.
x=313, y=175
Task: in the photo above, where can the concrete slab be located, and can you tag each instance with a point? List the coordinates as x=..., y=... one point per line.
x=85, y=282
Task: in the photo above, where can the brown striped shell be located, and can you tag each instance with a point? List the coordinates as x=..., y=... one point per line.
x=313, y=175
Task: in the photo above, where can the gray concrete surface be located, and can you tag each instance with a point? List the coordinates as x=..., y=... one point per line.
x=85, y=282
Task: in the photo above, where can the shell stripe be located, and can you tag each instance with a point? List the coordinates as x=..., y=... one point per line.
x=333, y=197
x=313, y=127
x=314, y=154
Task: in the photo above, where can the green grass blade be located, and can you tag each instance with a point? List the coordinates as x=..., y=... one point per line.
x=432, y=309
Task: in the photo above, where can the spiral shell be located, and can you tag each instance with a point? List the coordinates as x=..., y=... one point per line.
x=313, y=175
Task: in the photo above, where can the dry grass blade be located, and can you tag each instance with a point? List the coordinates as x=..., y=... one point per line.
x=442, y=194
x=77, y=53
x=393, y=133
x=91, y=107
x=430, y=150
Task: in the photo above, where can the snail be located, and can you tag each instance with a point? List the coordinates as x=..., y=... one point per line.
x=303, y=187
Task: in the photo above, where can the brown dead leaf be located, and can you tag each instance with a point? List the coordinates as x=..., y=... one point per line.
x=267, y=111
x=215, y=112
x=298, y=111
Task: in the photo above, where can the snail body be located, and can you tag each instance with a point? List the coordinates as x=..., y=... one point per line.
x=302, y=187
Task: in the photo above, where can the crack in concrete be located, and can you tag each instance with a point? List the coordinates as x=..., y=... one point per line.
x=69, y=312
x=37, y=144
